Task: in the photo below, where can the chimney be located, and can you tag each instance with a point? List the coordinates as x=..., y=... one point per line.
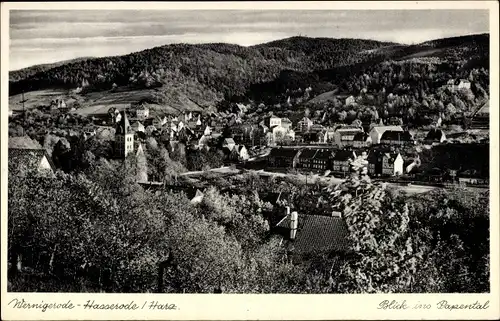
x=293, y=225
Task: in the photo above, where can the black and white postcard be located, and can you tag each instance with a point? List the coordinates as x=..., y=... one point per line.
x=266, y=160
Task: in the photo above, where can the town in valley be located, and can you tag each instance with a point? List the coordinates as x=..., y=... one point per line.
x=297, y=165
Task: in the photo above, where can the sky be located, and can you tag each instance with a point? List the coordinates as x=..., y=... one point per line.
x=46, y=36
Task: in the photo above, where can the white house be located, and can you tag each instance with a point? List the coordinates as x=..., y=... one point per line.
x=392, y=164
x=142, y=112
x=274, y=121
x=207, y=131
x=240, y=153
x=279, y=134
x=228, y=143
x=304, y=124
x=377, y=132
x=344, y=136
x=463, y=84
x=138, y=127
x=350, y=101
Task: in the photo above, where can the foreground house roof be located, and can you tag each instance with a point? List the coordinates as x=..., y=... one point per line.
x=317, y=233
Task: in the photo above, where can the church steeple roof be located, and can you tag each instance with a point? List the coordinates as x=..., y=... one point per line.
x=123, y=125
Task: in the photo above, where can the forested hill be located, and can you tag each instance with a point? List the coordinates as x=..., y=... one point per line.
x=32, y=70
x=224, y=68
x=206, y=73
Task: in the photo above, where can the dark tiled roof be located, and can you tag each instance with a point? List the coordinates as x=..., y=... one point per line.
x=283, y=152
x=343, y=155
x=434, y=134
x=308, y=153
x=317, y=233
x=323, y=154
x=396, y=135
x=360, y=137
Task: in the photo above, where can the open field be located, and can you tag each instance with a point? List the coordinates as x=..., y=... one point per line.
x=36, y=98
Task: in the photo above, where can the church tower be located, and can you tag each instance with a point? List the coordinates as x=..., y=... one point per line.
x=124, y=137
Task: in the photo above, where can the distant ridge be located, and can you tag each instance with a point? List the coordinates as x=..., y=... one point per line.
x=207, y=74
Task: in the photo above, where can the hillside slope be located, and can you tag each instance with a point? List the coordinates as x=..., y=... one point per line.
x=209, y=73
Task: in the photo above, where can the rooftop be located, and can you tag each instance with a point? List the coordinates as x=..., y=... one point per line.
x=316, y=233
x=396, y=135
x=283, y=152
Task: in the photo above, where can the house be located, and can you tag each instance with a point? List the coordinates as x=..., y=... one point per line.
x=198, y=197
x=138, y=127
x=308, y=236
x=239, y=153
x=24, y=160
x=328, y=135
x=149, y=130
x=286, y=123
x=204, y=140
x=304, y=124
x=392, y=164
x=435, y=136
x=159, y=121
x=455, y=85
x=342, y=161
x=322, y=160
x=361, y=140
x=207, y=131
x=282, y=158
x=272, y=121
x=228, y=143
x=279, y=135
x=188, y=116
x=349, y=101
x=393, y=137
x=377, y=131
x=344, y=136
x=142, y=112
x=305, y=157
x=374, y=163
x=463, y=84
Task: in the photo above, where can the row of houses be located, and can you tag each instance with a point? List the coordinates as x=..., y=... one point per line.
x=386, y=163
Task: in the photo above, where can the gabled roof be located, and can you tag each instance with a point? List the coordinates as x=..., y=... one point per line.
x=308, y=153
x=396, y=135
x=240, y=148
x=317, y=233
x=434, y=135
x=391, y=157
x=28, y=157
x=198, y=197
x=229, y=141
x=283, y=152
x=382, y=129
x=344, y=155
x=323, y=154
